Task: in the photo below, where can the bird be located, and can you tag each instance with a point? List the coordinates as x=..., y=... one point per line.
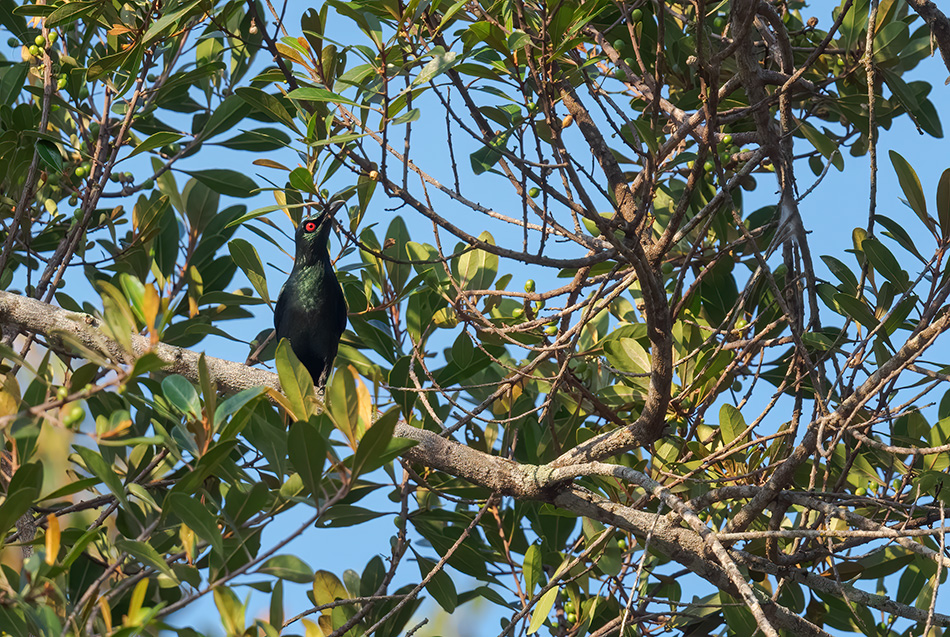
x=311, y=308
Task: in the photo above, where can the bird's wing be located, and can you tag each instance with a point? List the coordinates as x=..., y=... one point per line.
x=279, y=308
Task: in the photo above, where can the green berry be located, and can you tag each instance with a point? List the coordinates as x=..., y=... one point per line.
x=622, y=544
x=529, y=285
x=75, y=415
x=709, y=166
x=727, y=139
x=518, y=312
x=39, y=41
x=571, y=618
x=719, y=23
x=534, y=192
x=619, y=44
x=636, y=15
x=60, y=82
x=61, y=393
x=148, y=183
x=34, y=51
x=569, y=607
x=73, y=200
x=550, y=330
x=13, y=42
x=860, y=491
x=53, y=36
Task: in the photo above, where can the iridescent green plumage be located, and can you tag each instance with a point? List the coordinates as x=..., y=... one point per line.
x=311, y=309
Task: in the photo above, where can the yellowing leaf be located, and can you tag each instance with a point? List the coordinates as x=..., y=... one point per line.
x=52, y=539
x=542, y=609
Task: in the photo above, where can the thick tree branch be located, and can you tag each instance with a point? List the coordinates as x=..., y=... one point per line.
x=683, y=545
x=938, y=23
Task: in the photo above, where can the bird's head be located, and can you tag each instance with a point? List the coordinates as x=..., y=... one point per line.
x=312, y=235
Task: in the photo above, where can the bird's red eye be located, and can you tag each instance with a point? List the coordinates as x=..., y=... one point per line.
x=310, y=226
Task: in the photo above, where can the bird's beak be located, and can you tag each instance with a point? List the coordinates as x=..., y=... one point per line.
x=333, y=206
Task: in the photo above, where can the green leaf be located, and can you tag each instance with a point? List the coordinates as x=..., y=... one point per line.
x=201, y=204
x=156, y=140
x=627, y=355
x=11, y=82
x=370, y=454
x=843, y=273
x=70, y=12
x=225, y=182
x=196, y=515
x=440, y=586
x=885, y=262
x=167, y=22
x=477, y=269
x=488, y=155
x=823, y=144
x=308, y=453
x=107, y=63
x=856, y=309
x=22, y=492
x=533, y=568
x=181, y=394
x=147, y=555
x=80, y=545
x=101, y=469
x=268, y=104
x=409, y=116
x=231, y=609
x=288, y=567
x=227, y=115
x=910, y=184
x=301, y=179
x=441, y=61
x=911, y=582
x=232, y=404
x=295, y=381
x=343, y=515
x=542, y=609
x=943, y=204
x=258, y=140
x=317, y=94
x=245, y=257
x=49, y=155
x=897, y=232
x=889, y=41
x=731, y=423
x=11, y=18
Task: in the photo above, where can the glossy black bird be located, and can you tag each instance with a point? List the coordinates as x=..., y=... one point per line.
x=311, y=310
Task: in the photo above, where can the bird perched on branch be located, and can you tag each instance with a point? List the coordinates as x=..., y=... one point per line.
x=311, y=310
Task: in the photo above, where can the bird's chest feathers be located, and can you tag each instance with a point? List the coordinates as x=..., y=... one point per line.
x=311, y=289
